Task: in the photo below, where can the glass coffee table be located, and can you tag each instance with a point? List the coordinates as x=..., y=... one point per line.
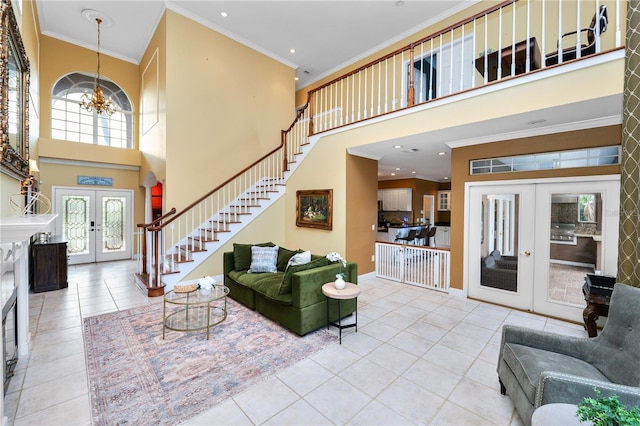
x=194, y=310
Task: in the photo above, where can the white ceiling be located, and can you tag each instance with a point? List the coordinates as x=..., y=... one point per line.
x=326, y=36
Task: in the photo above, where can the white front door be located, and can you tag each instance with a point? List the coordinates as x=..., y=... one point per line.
x=96, y=223
x=553, y=233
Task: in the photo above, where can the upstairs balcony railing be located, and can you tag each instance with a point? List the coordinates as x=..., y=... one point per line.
x=506, y=41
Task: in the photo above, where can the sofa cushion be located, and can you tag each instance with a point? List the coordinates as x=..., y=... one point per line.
x=284, y=255
x=264, y=259
x=242, y=255
x=285, y=286
x=269, y=288
x=250, y=279
x=299, y=259
x=528, y=363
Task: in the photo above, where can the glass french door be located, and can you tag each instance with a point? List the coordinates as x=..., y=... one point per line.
x=502, y=221
x=549, y=236
x=96, y=223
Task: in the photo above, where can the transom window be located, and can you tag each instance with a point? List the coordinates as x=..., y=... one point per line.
x=72, y=123
x=588, y=157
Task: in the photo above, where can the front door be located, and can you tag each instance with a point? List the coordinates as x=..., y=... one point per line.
x=96, y=223
x=549, y=236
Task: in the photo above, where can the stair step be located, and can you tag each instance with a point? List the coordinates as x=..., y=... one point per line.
x=178, y=258
x=215, y=231
x=203, y=239
x=189, y=248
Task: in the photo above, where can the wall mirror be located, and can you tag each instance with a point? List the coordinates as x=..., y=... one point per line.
x=14, y=97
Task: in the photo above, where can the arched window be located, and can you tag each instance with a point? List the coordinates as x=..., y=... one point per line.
x=72, y=123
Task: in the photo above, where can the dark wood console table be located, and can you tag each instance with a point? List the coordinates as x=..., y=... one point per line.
x=520, y=59
x=597, y=305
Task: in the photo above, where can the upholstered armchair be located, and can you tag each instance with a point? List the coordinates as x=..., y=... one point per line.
x=491, y=275
x=537, y=368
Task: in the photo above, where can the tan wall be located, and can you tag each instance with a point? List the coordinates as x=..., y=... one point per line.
x=460, y=157
x=153, y=101
x=226, y=105
x=361, y=218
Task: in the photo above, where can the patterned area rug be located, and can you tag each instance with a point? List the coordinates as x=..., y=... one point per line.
x=136, y=377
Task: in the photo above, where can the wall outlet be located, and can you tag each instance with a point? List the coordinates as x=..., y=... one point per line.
x=373, y=227
x=373, y=257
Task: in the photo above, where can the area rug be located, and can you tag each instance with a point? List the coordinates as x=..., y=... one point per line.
x=136, y=377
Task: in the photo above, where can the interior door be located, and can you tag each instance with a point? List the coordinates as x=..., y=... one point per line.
x=564, y=259
x=500, y=218
x=550, y=267
x=96, y=223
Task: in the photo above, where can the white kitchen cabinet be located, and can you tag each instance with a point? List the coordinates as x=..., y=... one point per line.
x=395, y=199
x=443, y=236
x=444, y=200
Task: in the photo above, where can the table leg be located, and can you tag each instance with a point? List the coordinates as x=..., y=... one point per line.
x=340, y=321
x=590, y=316
x=164, y=318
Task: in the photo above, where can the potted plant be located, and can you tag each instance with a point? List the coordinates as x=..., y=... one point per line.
x=607, y=411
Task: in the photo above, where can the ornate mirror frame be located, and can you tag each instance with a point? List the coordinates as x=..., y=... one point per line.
x=14, y=97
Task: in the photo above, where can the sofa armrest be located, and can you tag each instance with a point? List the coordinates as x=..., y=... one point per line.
x=228, y=262
x=554, y=387
x=567, y=345
x=306, y=286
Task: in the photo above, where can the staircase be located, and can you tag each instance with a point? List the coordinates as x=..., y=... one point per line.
x=175, y=244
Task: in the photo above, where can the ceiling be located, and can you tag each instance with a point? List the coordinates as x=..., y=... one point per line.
x=326, y=36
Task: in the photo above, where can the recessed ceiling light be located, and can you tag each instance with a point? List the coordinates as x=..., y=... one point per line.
x=223, y=14
x=397, y=168
x=446, y=178
x=399, y=3
x=442, y=153
x=413, y=172
x=292, y=50
x=397, y=146
x=296, y=79
x=393, y=174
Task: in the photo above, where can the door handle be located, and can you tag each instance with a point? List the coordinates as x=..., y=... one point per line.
x=526, y=253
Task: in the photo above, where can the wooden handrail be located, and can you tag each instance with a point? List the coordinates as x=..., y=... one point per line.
x=410, y=46
x=217, y=188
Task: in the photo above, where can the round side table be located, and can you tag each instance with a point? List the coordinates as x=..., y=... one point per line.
x=350, y=291
x=556, y=414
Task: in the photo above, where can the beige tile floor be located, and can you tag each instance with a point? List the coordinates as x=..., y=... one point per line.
x=419, y=357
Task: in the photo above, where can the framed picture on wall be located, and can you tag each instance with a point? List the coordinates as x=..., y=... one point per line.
x=314, y=209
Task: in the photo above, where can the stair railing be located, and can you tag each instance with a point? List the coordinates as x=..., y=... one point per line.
x=174, y=238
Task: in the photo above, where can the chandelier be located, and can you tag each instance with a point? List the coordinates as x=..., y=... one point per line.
x=96, y=101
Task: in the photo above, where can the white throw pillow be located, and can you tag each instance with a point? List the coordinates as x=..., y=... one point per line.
x=263, y=259
x=300, y=259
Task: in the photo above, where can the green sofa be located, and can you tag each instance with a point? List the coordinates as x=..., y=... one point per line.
x=292, y=296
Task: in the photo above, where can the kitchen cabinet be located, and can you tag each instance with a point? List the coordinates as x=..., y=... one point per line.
x=443, y=236
x=444, y=200
x=395, y=199
x=48, y=265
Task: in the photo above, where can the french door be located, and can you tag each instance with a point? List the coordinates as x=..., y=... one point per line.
x=97, y=223
x=550, y=235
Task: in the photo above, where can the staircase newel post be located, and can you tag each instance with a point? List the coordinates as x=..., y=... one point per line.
x=410, y=86
x=285, y=158
x=144, y=249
